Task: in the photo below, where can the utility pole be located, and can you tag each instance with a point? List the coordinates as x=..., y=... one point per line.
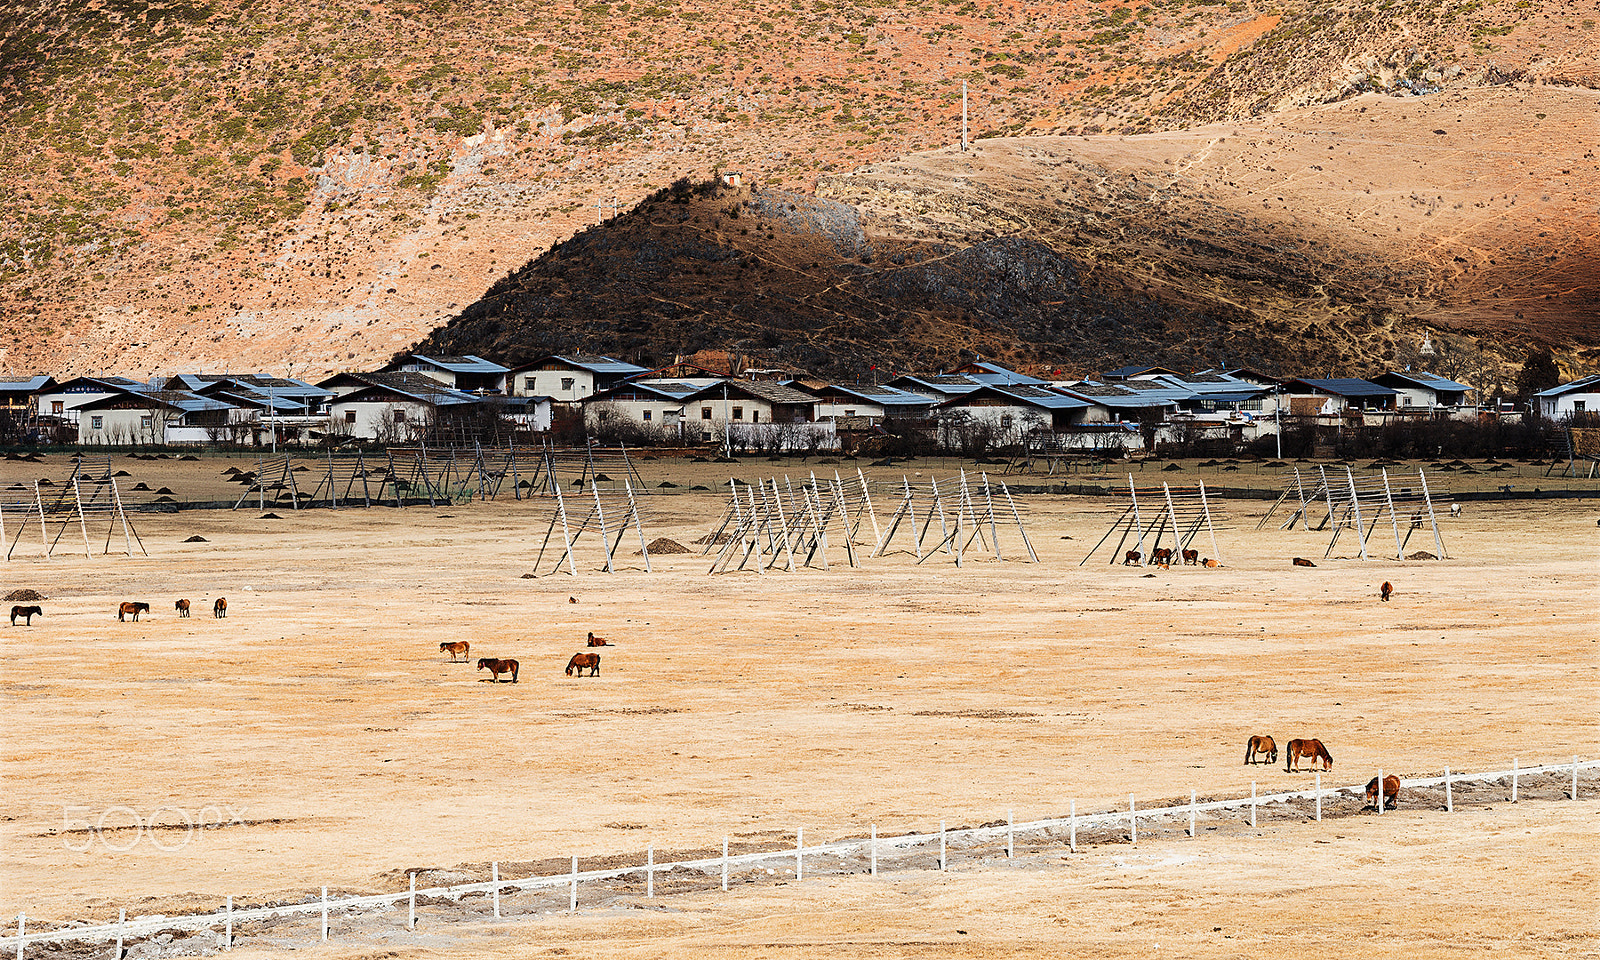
x=963, y=115
x=727, y=423
x=1277, y=413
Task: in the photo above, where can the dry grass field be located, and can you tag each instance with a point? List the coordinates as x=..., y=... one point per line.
x=321, y=723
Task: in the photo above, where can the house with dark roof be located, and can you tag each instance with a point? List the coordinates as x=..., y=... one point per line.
x=1135, y=370
x=1423, y=392
x=469, y=374
x=1338, y=397
x=835, y=400
x=651, y=405
x=1014, y=410
x=939, y=386
x=1124, y=402
x=569, y=379
x=19, y=395
x=63, y=398
x=391, y=407
x=1578, y=397
x=984, y=371
x=156, y=417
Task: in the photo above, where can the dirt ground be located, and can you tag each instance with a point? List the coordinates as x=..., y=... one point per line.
x=321, y=724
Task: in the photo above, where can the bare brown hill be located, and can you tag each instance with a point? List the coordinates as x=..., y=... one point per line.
x=218, y=183
x=1329, y=239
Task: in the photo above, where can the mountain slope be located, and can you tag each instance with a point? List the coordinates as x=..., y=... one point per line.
x=230, y=183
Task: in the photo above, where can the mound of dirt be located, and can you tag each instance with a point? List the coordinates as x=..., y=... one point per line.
x=197, y=539
x=1421, y=555
x=270, y=516
x=667, y=545
x=25, y=596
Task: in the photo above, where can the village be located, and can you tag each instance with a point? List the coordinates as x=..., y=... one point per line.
x=973, y=406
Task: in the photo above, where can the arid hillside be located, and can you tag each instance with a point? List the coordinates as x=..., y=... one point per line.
x=304, y=187
x=1331, y=239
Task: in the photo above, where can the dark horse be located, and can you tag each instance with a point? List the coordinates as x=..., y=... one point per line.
x=497, y=667
x=1391, y=792
x=1310, y=749
x=220, y=608
x=584, y=661
x=182, y=606
x=1261, y=746
x=459, y=648
x=132, y=608
x=26, y=613
x=595, y=641
x=1130, y=558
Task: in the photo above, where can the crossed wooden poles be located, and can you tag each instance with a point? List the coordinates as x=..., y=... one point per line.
x=1342, y=500
x=772, y=523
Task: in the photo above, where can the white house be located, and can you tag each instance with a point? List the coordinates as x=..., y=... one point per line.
x=1578, y=397
x=1423, y=392
x=63, y=398
x=1013, y=411
x=653, y=405
x=157, y=417
x=390, y=407
x=569, y=379
x=1338, y=397
x=469, y=374
x=836, y=400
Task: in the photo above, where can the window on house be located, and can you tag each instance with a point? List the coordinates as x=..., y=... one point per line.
x=349, y=416
x=849, y=413
x=647, y=416
x=567, y=382
x=1005, y=421
x=705, y=436
x=1405, y=401
x=527, y=385
x=58, y=406
x=1578, y=406
x=95, y=423
x=146, y=422
x=399, y=416
x=755, y=416
x=738, y=413
x=705, y=414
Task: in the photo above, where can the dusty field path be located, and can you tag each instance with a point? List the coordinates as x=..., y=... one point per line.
x=321, y=721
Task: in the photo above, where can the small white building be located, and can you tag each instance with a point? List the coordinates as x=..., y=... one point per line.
x=158, y=417
x=845, y=400
x=389, y=407
x=569, y=379
x=469, y=374
x=1578, y=397
x=63, y=398
x=1425, y=393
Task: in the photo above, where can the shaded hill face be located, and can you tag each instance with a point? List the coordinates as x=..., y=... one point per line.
x=1327, y=241
x=221, y=184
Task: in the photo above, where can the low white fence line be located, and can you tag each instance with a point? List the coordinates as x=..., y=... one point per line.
x=228, y=917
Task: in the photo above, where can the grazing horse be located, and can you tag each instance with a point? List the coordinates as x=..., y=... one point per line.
x=1455, y=509
x=1303, y=562
x=220, y=608
x=1191, y=558
x=584, y=661
x=1161, y=555
x=1208, y=562
x=595, y=641
x=1261, y=747
x=182, y=606
x=1385, y=590
x=497, y=667
x=459, y=648
x=1312, y=749
x=1130, y=558
x=135, y=609
x=27, y=614
x=1391, y=791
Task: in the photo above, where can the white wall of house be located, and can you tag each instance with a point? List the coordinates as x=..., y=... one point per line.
x=564, y=385
x=126, y=426
x=710, y=418
x=1566, y=404
x=386, y=420
x=829, y=408
x=654, y=413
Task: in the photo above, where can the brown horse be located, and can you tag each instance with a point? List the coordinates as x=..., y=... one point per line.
x=1208, y=562
x=1261, y=746
x=182, y=606
x=1391, y=792
x=595, y=641
x=1303, y=562
x=1161, y=556
x=459, y=648
x=1130, y=558
x=220, y=608
x=135, y=609
x=497, y=667
x=1311, y=749
x=26, y=613
x=584, y=661
x=1385, y=590
x=1191, y=558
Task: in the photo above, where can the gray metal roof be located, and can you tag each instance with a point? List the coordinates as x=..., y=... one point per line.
x=172, y=399
x=1346, y=387
x=466, y=364
x=409, y=384
x=1581, y=385
x=25, y=384
x=1422, y=378
x=1024, y=394
x=875, y=393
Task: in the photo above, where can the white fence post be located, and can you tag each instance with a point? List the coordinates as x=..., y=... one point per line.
x=1574, y=778
x=1319, y=796
x=1252, y=804
x=411, y=915
x=874, y=849
x=22, y=919
x=1072, y=837
x=650, y=871
x=494, y=873
x=122, y=919
x=1513, y=779
x=1010, y=833
x=1133, y=822
x=724, y=863
x=941, y=845
x=572, y=905
x=324, y=914
x=799, y=845
x=1449, y=804
x=1380, y=790
x=1191, y=812
x=227, y=933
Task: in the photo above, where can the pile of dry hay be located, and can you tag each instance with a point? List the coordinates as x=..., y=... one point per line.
x=25, y=596
x=663, y=545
